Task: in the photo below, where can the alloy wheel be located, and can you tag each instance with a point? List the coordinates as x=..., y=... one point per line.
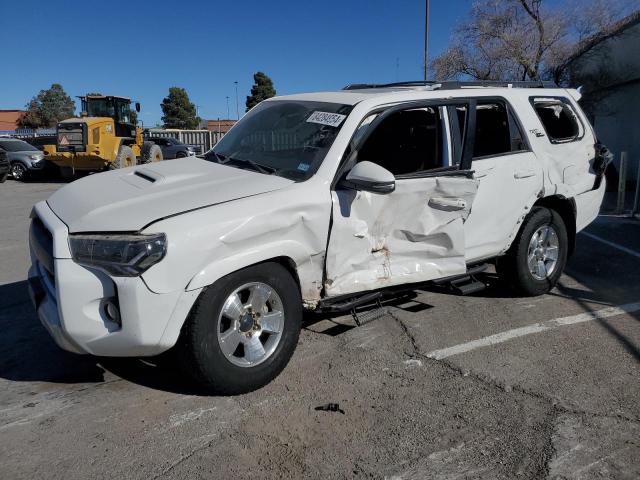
x=250, y=324
x=542, y=255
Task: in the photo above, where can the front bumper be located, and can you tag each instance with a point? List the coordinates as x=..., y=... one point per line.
x=39, y=165
x=70, y=300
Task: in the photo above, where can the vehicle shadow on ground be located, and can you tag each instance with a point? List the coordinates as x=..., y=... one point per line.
x=28, y=354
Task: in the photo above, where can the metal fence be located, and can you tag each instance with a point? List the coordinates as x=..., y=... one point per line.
x=205, y=139
x=29, y=132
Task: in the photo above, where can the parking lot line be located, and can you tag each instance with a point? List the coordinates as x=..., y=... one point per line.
x=534, y=328
x=611, y=244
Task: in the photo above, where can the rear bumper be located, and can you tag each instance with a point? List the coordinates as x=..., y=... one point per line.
x=70, y=301
x=588, y=205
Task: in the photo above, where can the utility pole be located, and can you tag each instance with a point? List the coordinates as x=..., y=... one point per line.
x=228, y=116
x=426, y=38
x=237, y=109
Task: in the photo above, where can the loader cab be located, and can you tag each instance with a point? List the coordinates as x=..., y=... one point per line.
x=117, y=108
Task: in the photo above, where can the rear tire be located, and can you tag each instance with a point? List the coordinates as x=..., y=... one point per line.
x=151, y=153
x=125, y=158
x=230, y=348
x=537, y=257
x=18, y=171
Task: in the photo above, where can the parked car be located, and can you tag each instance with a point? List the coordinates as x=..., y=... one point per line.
x=174, y=148
x=4, y=166
x=323, y=201
x=24, y=159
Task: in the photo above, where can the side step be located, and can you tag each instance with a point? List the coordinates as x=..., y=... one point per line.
x=467, y=285
x=362, y=316
x=363, y=308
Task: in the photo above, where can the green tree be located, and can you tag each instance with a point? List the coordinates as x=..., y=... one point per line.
x=261, y=90
x=48, y=108
x=178, y=110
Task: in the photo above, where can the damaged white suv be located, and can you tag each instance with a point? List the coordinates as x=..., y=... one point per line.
x=317, y=201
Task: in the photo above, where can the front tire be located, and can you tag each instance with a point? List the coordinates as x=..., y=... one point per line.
x=18, y=171
x=243, y=330
x=534, y=263
x=125, y=158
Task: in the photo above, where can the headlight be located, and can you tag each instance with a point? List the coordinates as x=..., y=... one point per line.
x=34, y=157
x=127, y=255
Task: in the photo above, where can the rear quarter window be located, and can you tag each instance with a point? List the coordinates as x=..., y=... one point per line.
x=559, y=119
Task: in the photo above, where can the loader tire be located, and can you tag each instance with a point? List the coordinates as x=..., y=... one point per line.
x=125, y=158
x=151, y=152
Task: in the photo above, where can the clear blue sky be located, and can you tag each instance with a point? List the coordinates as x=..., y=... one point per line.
x=140, y=49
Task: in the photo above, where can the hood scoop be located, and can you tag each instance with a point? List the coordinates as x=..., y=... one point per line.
x=143, y=177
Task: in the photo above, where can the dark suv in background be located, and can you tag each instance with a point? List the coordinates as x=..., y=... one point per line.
x=174, y=148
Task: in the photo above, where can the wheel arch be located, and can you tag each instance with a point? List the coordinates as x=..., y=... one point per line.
x=305, y=269
x=566, y=208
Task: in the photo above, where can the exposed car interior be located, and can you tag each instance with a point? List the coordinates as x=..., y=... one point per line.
x=406, y=142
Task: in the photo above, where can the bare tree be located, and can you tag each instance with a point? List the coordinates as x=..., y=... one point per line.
x=522, y=39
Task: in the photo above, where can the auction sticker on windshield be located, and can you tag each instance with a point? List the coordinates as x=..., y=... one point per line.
x=326, y=118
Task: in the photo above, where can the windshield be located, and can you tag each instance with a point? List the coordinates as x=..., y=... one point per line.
x=16, y=146
x=100, y=108
x=117, y=109
x=284, y=137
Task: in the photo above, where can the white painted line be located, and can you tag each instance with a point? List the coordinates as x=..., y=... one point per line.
x=534, y=328
x=611, y=244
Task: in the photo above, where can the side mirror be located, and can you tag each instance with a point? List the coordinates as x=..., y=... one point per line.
x=138, y=107
x=370, y=177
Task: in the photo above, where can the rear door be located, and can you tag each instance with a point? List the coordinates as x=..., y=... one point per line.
x=415, y=233
x=510, y=176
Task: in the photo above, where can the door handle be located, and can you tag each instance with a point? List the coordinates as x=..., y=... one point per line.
x=447, y=204
x=482, y=173
x=524, y=174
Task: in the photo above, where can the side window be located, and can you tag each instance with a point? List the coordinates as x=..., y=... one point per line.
x=406, y=142
x=497, y=132
x=492, y=130
x=558, y=118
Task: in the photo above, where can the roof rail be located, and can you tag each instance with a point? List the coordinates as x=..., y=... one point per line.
x=451, y=85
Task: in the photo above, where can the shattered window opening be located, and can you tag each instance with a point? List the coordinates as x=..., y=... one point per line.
x=558, y=118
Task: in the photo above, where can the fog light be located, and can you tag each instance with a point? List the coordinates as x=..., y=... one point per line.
x=112, y=312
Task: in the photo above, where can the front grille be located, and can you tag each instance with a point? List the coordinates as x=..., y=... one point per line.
x=72, y=137
x=41, y=242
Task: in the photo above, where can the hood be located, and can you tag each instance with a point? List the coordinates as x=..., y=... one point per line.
x=131, y=198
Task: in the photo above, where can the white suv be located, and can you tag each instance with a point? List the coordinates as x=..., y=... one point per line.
x=316, y=201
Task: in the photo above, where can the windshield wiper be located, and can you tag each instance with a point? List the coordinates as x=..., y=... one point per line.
x=256, y=166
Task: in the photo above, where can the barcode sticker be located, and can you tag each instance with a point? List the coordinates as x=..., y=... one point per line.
x=326, y=118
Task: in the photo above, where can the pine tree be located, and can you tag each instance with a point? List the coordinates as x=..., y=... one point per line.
x=261, y=90
x=178, y=110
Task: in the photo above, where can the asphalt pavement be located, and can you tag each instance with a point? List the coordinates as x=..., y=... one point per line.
x=442, y=387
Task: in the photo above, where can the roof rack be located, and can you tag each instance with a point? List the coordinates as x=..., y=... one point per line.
x=452, y=85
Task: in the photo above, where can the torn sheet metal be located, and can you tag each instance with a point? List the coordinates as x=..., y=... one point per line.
x=411, y=235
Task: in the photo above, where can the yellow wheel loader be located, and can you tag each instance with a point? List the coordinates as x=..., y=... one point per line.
x=103, y=137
